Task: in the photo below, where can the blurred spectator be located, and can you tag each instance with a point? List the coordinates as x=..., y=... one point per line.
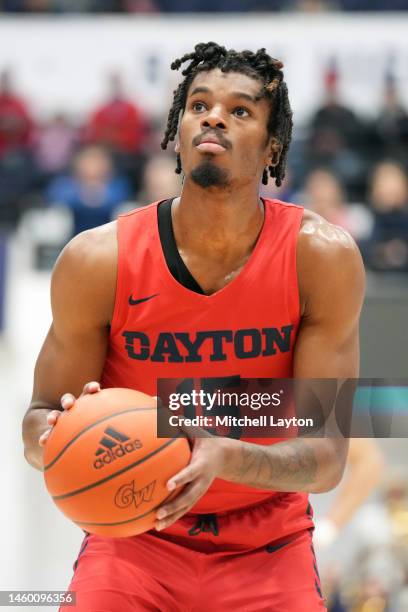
x=337, y=136
x=332, y=591
x=122, y=127
x=140, y=6
x=30, y=6
x=54, y=144
x=204, y=6
x=88, y=6
x=16, y=168
x=313, y=6
x=325, y=196
x=53, y=6
x=17, y=179
x=160, y=181
x=364, y=471
x=392, y=121
x=371, y=596
x=26, y=6
x=39, y=5
x=372, y=5
x=15, y=122
x=284, y=192
x=380, y=569
x=92, y=191
x=387, y=248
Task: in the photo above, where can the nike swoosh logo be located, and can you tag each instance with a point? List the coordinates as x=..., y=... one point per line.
x=133, y=302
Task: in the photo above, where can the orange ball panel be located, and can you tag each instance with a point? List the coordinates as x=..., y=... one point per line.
x=105, y=467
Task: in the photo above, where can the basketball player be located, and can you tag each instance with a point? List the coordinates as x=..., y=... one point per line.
x=186, y=288
x=364, y=471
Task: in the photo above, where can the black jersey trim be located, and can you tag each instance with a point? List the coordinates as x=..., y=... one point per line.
x=175, y=263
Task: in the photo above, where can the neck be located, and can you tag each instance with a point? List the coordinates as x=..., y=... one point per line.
x=217, y=223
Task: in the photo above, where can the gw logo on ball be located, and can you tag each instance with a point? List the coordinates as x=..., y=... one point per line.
x=127, y=494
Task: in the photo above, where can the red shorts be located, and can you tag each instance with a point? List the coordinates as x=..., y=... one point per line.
x=202, y=562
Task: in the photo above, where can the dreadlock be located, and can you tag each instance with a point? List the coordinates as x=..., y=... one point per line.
x=260, y=66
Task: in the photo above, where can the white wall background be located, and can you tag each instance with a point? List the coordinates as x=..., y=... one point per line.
x=60, y=63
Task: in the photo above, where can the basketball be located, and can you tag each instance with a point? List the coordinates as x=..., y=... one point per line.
x=104, y=465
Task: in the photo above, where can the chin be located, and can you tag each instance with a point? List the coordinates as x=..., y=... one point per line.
x=207, y=174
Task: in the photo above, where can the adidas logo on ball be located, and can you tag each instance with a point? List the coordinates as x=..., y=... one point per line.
x=114, y=445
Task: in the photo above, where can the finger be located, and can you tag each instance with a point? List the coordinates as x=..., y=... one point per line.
x=193, y=431
x=185, y=475
x=91, y=387
x=187, y=502
x=53, y=417
x=44, y=437
x=67, y=401
x=186, y=498
x=159, y=525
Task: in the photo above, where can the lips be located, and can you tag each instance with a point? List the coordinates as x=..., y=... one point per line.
x=210, y=144
x=210, y=147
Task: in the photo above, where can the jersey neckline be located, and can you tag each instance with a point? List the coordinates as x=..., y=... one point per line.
x=239, y=278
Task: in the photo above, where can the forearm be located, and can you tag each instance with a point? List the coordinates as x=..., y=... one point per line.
x=34, y=424
x=308, y=465
x=359, y=483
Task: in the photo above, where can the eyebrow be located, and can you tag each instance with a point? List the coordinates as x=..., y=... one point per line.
x=234, y=94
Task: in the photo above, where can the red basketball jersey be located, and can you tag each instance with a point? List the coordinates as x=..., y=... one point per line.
x=161, y=329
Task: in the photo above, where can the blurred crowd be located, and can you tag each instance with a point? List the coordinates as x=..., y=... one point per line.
x=169, y=6
x=377, y=580
x=350, y=169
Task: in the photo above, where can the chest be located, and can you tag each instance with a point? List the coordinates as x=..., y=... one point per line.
x=215, y=274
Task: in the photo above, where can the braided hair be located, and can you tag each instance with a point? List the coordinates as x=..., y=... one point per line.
x=258, y=65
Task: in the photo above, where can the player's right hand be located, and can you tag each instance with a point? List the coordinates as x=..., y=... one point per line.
x=67, y=401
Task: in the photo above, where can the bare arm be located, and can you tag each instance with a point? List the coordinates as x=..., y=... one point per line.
x=331, y=277
x=365, y=469
x=82, y=297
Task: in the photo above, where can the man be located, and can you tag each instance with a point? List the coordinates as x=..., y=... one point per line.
x=120, y=126
x=16, y=125
x=184, y=289
x=17, y=175
x=364, y=472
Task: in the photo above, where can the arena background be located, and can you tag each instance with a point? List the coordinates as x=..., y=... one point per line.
x=348, y=82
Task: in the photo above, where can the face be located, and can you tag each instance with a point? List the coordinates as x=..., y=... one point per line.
x=93, y=166
x=223, y=139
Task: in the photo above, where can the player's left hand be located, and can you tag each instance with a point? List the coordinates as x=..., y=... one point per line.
x=205, y=464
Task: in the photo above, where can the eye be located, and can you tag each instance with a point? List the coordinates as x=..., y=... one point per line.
x=241, y=112
x=198, y=106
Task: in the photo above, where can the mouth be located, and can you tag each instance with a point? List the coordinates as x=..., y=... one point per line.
x=210, y=144
x=210, y=147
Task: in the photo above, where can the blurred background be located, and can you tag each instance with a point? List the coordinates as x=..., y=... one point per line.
x=85, y=86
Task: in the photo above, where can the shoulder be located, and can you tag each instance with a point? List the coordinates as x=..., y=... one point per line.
x=324, y=242
x=85, y=272
x=93, y=249
x=328, y=260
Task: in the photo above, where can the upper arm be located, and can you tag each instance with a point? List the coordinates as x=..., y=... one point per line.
x=82, y=300
x=331, y=282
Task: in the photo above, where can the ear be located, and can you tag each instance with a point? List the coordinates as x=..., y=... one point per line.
x=275, y=150
x=177, y=147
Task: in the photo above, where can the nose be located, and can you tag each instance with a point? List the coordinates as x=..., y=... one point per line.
x=214, y=119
